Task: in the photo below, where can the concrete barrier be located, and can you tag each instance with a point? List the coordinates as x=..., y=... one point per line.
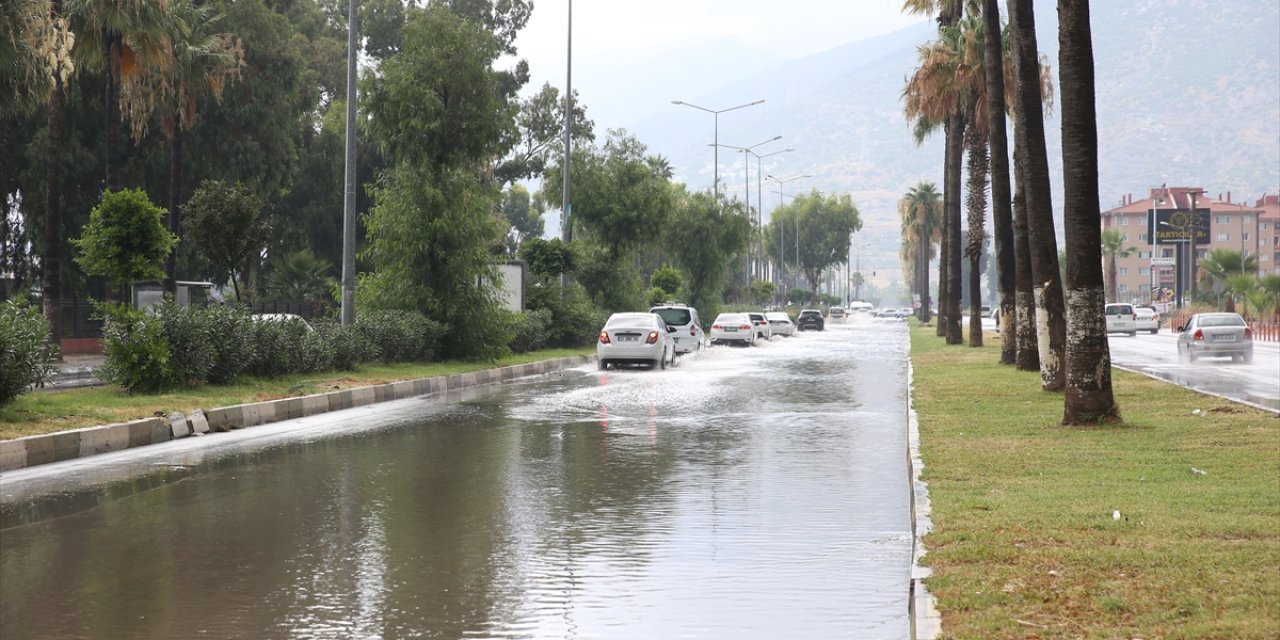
x=43, y=449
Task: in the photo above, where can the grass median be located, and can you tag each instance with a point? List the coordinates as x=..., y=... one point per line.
x=43, y=412
x=1166, y=526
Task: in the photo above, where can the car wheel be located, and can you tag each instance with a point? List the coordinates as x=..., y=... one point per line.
x=1191, y=355
x=1155, y=331
x=603, y=364
x=1133, y=334
x=662, y=362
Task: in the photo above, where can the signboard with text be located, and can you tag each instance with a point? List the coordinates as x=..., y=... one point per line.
x=1172, y=226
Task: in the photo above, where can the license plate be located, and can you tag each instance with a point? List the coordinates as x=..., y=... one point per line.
x=628, y=338
x=1226, y=338
x=731, y=329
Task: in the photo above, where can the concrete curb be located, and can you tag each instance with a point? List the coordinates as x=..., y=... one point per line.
x=30, y=451
x=926, y=622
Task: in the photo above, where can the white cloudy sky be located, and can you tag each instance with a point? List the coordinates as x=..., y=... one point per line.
x=627, y=53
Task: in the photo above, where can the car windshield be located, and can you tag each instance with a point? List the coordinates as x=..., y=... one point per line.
x=630, y=319
x=1221, y=321
x=674, y=316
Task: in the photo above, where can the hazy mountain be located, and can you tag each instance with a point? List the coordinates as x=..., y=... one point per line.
x=1188, y=94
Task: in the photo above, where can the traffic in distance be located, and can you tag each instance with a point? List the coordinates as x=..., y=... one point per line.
x=657, y=338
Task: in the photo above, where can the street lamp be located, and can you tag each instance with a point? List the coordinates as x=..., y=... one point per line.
x=1195, y=226
x=716, y=113
x=746, y=185
x=781, y=231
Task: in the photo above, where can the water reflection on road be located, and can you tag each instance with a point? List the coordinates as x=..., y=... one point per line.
x=747, y=493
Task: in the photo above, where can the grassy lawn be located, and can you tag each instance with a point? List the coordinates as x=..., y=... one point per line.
x=1025, y=543
x=50, y=411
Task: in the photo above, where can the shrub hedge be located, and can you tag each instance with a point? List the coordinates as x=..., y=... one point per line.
x=26, y=357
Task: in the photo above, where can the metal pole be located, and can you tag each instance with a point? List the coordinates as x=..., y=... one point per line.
x=348, y=311
x=1195, y=226
x=566, y=231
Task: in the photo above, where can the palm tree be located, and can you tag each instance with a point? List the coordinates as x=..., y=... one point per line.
x=1221, y=265
x=994, y=68
x=1029, y=136
x=122, y=38
x=203, y=63
x=934, y=97
x=1269, y=296
x=1088, y=398
x=1112, y=249
x=921, y=215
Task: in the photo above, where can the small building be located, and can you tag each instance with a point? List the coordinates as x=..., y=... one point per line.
x=1161, y=228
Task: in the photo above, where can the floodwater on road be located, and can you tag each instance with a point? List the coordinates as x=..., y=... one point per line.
x=747, y=493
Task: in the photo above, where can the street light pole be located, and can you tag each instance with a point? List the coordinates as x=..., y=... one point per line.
x=746, y=187
x=1195, y=226
x=781, y=195
x=566, y=231
x=716, y=113
x=348, y=309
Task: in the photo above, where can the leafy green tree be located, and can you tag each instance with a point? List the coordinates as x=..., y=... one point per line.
x=705, y=239
x=525, y=219
x=761, y=290
x=826, y=224
x=1221, y=266
x=441, y=112
x=547, y=259
x=540, y=123
x=229, y=228
x=125, y=239
x=667, y=279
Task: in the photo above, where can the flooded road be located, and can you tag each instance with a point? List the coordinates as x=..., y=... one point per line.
x=747, y=493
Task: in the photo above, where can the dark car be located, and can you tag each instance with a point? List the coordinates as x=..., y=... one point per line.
x=809, y=320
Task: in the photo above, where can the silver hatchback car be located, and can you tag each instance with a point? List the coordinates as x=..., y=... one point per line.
x=1215, y=335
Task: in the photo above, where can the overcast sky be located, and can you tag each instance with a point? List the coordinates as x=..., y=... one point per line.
x=619, y=44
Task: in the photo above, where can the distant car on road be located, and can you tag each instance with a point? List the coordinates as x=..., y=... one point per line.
x=780, y=323
x=635, y=338
x=1146, y=319
x=810, y=319
x=731, y=328
x=689, y=335
x=1215, y=335
x=761, y=324
x=1121, y=318
x=836, y=313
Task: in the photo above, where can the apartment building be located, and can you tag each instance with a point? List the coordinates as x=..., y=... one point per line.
x=1161, y=228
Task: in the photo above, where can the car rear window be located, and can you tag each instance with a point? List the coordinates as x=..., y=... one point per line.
x=1114, y=309
x=1221, y=321
x=675, y=317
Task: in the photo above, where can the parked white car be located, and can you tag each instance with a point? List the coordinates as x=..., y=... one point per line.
x=1121, y=318
x=733, y=327
x=635, y=338
x=780, y=324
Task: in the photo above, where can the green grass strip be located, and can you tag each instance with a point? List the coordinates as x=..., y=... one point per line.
x=1026, y=542
x=51, y=411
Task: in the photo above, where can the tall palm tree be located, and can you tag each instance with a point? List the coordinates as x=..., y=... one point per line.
x=1112, y=249
x=204, y=61
x=121, y=38
x=1088, y=398
x=1029, y=135
x=921, y=214
x=1220, y=266
x=994, y=68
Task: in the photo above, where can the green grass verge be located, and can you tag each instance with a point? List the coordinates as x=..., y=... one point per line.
x=51, y=411
x=1024, y=542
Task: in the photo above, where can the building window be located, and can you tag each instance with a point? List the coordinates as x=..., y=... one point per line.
x=1124, y=288
x=1265, y=226
x=1144, y=254
x=1122, y=221
x=1223, y=236
x=1224, y=219
x=1200, y=254
x=1142, y=237
x=1144, y=271
x=1124, y=271
x=1262, y=257
x=1166, y=253
x=1244, y=236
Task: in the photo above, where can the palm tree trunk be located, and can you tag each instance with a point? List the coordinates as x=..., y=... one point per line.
x=51, y=241
x=1027, y=357
x=175, y=192
x=923, y=246
x=112, y=110
x=998, y=142
x=1112, y=272
x=942, y=260
x=1051, y=325
x=979, y=167
x=954, y=156
x=1088, y=397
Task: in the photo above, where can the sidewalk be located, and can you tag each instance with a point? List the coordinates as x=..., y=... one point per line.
x=75, y=371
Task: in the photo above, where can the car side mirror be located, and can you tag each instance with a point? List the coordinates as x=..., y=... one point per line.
x=1180, y=328
x=671, y=329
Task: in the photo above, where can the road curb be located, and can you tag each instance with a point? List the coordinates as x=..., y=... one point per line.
x=926, y=622
x=30, y=451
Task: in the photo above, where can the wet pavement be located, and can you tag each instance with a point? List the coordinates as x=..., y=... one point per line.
x=1256, y=383
x=747, y=493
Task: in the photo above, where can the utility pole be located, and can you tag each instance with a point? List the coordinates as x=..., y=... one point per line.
x=349, y=190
